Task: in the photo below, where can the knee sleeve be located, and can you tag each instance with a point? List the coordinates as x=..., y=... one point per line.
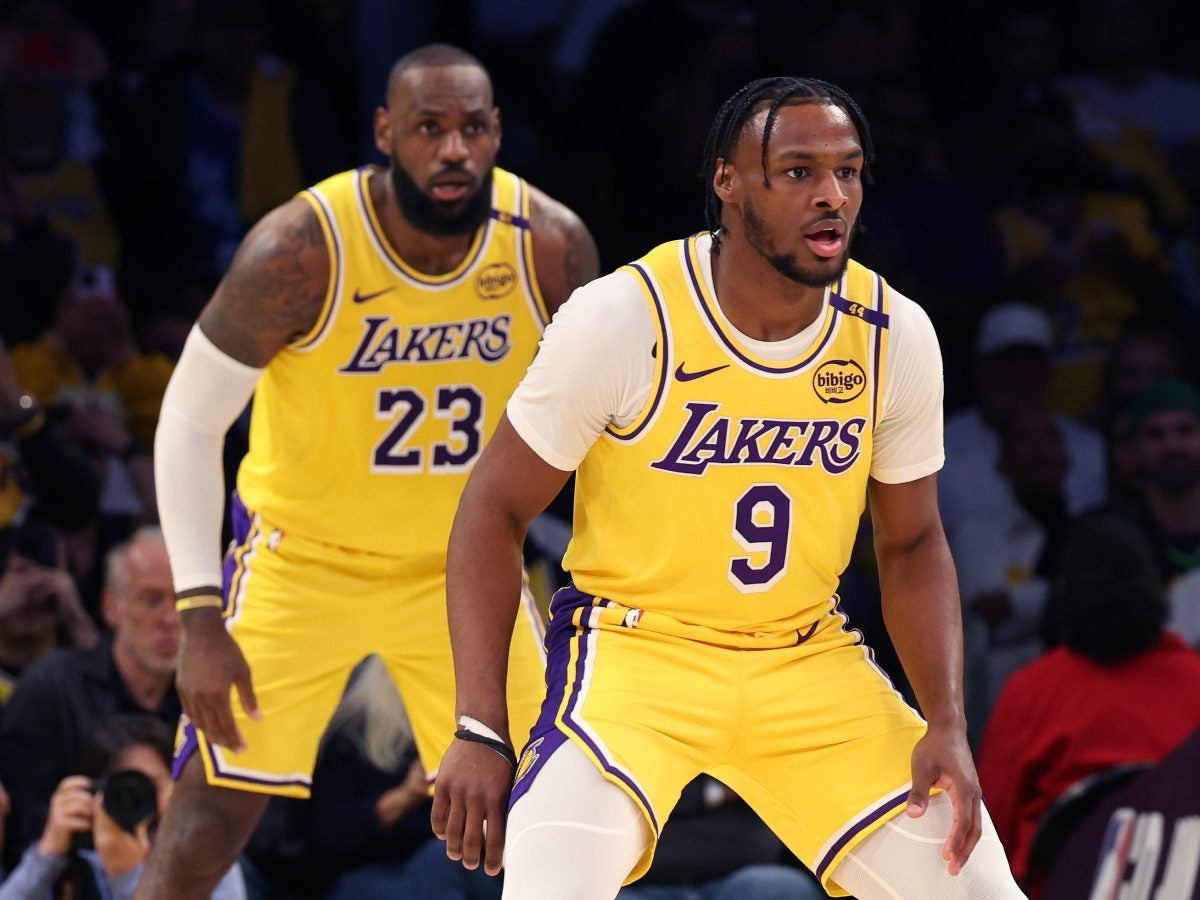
x=904, y=859
x=573, y=835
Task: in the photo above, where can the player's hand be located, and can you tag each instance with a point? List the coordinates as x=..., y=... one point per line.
x=942, y=759
x=70, y=812
x=210, y=665
x=471, y=790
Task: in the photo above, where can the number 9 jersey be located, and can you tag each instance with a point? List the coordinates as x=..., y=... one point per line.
x=757, y=468
x=403, y=375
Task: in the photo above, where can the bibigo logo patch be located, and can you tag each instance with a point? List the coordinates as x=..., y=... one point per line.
x=839, y=381
x=495, y=281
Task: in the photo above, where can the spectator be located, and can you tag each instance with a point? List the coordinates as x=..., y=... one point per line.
x=1118, y=689
x=64, y=862
x=40, y=610
x=1080, y=240
x=1164, y=421
x=105, y=394
x=59, y=699
x=715, y=848
x=5, y=805
x=39, y=463
x=369, y=815
x=203, y=150
x=1012, y=373
x=1005, y=560
x=48, y=138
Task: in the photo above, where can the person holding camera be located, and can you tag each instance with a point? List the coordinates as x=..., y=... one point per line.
x=101, y=820
x=59, y=699
x=40, y=608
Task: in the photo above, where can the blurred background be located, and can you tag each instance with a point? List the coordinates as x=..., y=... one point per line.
x=1036, y=190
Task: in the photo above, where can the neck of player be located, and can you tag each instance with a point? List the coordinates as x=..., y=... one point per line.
x=760, y=302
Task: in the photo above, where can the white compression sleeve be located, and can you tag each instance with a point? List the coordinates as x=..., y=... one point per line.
x=903, y=859
x=573, y=836
x=207, y=392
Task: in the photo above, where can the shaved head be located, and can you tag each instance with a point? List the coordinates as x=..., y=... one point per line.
x=433, y=56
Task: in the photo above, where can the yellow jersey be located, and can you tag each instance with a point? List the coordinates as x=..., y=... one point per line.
x=364, y=430
x=730, y=504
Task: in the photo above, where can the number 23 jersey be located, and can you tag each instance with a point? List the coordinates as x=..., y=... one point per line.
x=364, y=430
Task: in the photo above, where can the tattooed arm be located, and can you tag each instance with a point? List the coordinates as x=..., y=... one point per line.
x=272, y=293
x=274, y=289
x=564, y=253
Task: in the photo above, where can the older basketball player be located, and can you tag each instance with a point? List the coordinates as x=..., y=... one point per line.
x=381, y=318
x=730, y=401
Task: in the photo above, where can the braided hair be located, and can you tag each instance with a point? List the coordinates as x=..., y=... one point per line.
x=778, y=91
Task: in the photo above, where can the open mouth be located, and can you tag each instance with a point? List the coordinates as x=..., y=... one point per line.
x=451, y=190
x=825, y=242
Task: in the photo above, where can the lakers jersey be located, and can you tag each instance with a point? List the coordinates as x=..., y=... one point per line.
x=732, y=502
x=364, y=430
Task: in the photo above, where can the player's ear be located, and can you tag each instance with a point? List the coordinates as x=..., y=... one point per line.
x=725, y=180
x=383, y=132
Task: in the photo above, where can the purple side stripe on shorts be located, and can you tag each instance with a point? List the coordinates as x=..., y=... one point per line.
x=850, y=833
x=184, y=748
x=559, y=639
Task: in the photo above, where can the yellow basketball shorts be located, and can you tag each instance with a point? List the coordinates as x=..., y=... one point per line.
x=812, y=735
x=304, y=614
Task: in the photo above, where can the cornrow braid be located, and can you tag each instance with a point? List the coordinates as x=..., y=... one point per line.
x=778, y=91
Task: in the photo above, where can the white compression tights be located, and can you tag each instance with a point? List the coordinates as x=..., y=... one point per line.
x=575, y=836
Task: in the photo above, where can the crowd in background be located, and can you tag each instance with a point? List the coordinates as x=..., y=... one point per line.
x=1037, y=191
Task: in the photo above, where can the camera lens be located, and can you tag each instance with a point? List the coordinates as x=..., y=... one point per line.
x=130, y=798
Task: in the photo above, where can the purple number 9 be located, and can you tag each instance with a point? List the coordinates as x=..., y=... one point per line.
x=762, y=525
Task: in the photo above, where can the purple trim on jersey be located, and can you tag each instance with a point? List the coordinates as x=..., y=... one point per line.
x=550, y=741
x=336, y=272
x=869, y=315
x=510, y=218
x=239, y=521
x=664, y=363
x=191, y=743
x=715, y=322
x=850, y=833
x=877, y=340
x=183, y=752
x=559, y=639
x=525, y=255
x=389, y=254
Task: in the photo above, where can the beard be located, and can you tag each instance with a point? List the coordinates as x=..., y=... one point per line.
x=434, y=217
x=759, y=236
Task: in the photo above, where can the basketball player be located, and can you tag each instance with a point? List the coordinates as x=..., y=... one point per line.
x=730, y=401
x=381, y=318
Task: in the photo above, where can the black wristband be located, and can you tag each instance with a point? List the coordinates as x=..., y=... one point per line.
x=498, y=746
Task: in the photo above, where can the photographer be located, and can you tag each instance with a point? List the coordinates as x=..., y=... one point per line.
x=101, y=820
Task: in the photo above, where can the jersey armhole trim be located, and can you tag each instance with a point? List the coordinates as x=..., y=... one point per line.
x=662, y=359
x=333, y=290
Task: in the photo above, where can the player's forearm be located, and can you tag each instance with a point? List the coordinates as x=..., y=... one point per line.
x=924, y=620
x=483, y=585
x=207, y=392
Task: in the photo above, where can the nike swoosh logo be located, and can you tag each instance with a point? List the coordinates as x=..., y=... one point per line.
x=681, y=375
x=363, y=298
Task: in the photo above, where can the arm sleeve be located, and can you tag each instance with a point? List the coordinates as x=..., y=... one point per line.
x=594, y=367
x=34, y=878
x=207, y=392
x=908, y=439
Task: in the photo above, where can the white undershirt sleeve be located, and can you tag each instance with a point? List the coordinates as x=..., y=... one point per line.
x=594, y=367
x=908, y=439
x=207, y=392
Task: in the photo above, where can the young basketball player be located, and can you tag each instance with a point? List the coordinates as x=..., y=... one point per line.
x=730, y=401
